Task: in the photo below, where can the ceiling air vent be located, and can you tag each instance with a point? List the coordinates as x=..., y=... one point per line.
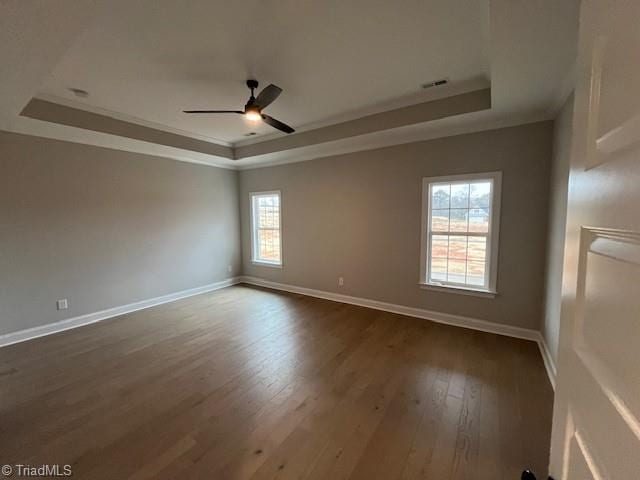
x=78, y=92
x=250, y=134
x=436, y=83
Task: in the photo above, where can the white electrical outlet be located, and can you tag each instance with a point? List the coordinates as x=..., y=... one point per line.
x=340, y=281
x=229, y=269
x=62, y=304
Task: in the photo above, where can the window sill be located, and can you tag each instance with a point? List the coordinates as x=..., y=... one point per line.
x=460, y=290
x=266, y=264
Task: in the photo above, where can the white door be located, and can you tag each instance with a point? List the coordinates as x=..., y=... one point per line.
x=596, y=425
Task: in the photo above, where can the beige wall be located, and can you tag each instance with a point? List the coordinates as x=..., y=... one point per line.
x=105, y=228
x=358, y=216
x=557, y=225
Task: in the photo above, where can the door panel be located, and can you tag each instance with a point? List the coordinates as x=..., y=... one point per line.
x=607, y=315
x=613, y=119
x=596, y=431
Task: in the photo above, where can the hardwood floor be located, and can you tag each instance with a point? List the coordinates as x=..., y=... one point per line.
x=247, y=383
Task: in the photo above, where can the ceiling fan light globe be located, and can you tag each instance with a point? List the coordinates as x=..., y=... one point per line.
x=253, y=116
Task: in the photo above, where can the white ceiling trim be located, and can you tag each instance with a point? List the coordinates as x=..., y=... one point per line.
x=448, y=127
x=56, y=131
x=427, y=95
x=405, y=101
x=451, y=126
x=564, y=90
x=130, y=119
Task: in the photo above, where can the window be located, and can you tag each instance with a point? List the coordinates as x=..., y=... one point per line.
x=266, y=239
x=460, y=232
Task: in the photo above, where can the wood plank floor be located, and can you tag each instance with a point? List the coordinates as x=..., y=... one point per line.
x=247, y=383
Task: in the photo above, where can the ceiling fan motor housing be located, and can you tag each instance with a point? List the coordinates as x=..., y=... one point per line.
x=252, y=84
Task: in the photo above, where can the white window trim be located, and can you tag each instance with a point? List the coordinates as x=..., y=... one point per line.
x=494, y=234
x=254, y=259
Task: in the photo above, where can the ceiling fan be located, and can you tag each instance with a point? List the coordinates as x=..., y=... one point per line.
x=255, y=105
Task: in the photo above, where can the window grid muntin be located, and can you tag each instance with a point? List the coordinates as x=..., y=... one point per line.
x=449, y=233
x=266, y=219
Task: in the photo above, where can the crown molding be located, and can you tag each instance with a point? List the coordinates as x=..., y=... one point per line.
x=56, y=131
x=129, y=118
x=448, y=127
x=563, y=92
x=378, y=123
x=441, y=115
x=470, y=123
x=61, y=114
x=427, y=95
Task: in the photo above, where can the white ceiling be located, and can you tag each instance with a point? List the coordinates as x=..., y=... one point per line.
x=33, y=36
x=155, y=58
x=533, y=46
x=143, y=61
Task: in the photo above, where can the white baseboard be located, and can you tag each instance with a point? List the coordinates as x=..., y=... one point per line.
x=549, y=363
x=69, y=323
x=440, y=317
